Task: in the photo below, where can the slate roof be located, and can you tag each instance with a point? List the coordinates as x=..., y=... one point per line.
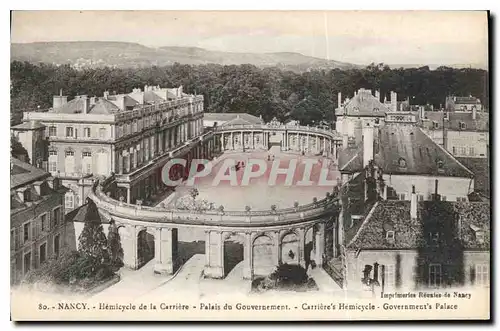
x=30, y=125
x=481, y=169
x=86, y=213
x=103, y=106
x=481, y=123
x=23, y=173
x=420, y=152
x=243, y=118
x=455, y=221
x=363, y=104
x=467, y=100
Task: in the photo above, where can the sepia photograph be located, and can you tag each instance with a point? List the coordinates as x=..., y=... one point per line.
x=190, y=165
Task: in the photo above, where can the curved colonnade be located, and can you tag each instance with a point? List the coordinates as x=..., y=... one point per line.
x=293, y=235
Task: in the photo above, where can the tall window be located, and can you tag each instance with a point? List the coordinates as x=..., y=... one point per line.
x=43, y=253
x=87, y=162
x=482, y=274
x=471, y=151
x=26, y=232
x=86, y=132
x=390, y=275
x=69, y=200
x=52, y=131
x=57, y=216
x=69, y=131
x=27, y=263
x=454, y=150
x=43, y=222
x=434, y=275
x=13, y=239
x=102, y=133
x=69, y=162
x=402, y=196
x=56, y=244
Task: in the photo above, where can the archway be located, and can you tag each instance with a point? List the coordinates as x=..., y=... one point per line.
x=145, y=248
x=308, y=246
x=263, y=256
x=233, y=252
x=290, y=248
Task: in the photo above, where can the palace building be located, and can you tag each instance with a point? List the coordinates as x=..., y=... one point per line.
x=121, y=134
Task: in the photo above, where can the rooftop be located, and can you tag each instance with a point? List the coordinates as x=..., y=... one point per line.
x=363, y=104
x=401, y=149
x=458, y=221
x=23, y=173
x=30, y=125
x=481, y=123
x=233, y=118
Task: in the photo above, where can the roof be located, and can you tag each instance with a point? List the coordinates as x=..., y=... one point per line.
x=481, y=169
x=31, y=125
x=103, y=106
x=85, y=213
x=481, y=123
x=395, y=142
x=363, y=104
x=23, y=173
x=152, y=97
x=466, y=100
x=243, y=118
x=455, y=221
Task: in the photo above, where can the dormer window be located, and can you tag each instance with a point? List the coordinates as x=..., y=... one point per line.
x=27, y=196
x=375, y=109
x=356, y=109
x=463, y=126
x=440, y=166
x=435, y=125
x=389, y=236
x=402, y=162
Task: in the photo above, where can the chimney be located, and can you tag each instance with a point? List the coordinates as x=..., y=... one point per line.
x=367, y=144
x=474, y=114
x=413, y=203
x=85, y=104
x=106, y=95
x=377, y=95
x=394, y=101
x=339, y=100
x=345, y=141
x=436, y=196
x=59, y=100
x=93, y=100
x=422, y=112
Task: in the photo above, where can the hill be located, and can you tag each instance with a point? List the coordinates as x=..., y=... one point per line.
x=83, y=54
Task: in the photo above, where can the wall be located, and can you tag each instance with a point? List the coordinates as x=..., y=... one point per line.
x=463, y=141
x=449, y=187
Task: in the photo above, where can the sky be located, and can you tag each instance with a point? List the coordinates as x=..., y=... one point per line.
x=361, y=37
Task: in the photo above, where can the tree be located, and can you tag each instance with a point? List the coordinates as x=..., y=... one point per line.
x=17, y=150
x=114, y=246
x=92, y=242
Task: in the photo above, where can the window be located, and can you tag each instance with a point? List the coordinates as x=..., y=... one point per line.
x=69, y=200
x=454, y=149
x=52, y=165
x=420, y=197
x=43, y=253
x=389, y=275
x=27, y=195
x=56, y=244
x=463, y=126
x=434, y=275
x=13, y=239
x=52, y=153
x=482, y=274
x=463, y=151
x=43, y=222
x=87, y=162
x=443, y=198
x=52, y=131
x=57, y=215
x=402, y=162
x=70, y=161
x=86, y=132
x=471, y=151
x=435, y=125
x=102, y=133
x=26, y=232
x=402, y=196
x=27, y=263
x=461, y=199
x=69, y=131
x=375, y=109
x=433, y=238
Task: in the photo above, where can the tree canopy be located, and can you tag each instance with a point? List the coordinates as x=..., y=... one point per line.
x=310, y=96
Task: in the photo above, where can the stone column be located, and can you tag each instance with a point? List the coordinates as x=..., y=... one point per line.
x=165, y=250
x=215, y=267
x=335, y=239
x=232, y=141
x=319, y=244
x=242, y=141
x=128, y=238
x=248, y=257
x=222, y=141
x=253, y=140
x=128, y=194
x=301, y=258
x=298, y=141
x=120, y=163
